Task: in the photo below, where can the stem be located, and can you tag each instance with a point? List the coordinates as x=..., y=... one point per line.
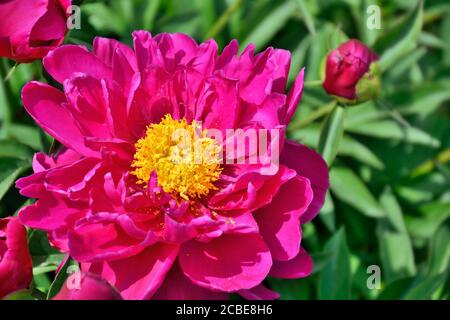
x=312, y=83
x=316, y=114
x=441, y=159
x=220, y=24
x=331, y=134
x=393, y=113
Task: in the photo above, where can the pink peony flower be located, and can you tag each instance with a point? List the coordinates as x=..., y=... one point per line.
x=29, y=29
x=15, y=260
x=86, y=286
x=345, y=67
x=166, y=229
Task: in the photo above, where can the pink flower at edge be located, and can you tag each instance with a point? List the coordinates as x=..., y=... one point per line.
x=30, y=29
x=345, y=67
x=15, y=260
x=144, y=238
x=86, y=286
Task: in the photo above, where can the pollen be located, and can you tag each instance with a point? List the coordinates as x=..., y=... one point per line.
x=186, y=161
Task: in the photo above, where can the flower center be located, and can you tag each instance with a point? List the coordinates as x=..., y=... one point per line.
x=185, y=160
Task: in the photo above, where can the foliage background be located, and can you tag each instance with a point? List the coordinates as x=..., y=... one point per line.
x=390, y=198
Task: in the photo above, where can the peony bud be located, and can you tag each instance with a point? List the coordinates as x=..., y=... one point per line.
x=87, y=287
x=15, y=260
x=30, y=29
x=351, y=74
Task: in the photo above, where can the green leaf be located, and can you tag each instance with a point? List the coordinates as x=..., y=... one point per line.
x=401, y=40
x=149, y=13
x=298, y=57
x=439, y=257
x=421, y=99
x=325, y=40
x=406, y=63
x=27, y=135
x=104, y=18
x=307, y=16
x=387, y=129
x=396, y=289
x=41, y=282
x=60, y=278
x=425, y=288
x=292, y=289
x=11, y=149
x=331, y=134
x=363, y=113
x=430, y=40
x=10, y=169
x=353, y=148
x=335, y=277
x=348, y=146
x=208, y=14
x=321, y=259
x=5, y=107
x=327, y=214
x=426, y=225
x=349, y=188
x=396, y=251
x=270, y=25
x=394, y=214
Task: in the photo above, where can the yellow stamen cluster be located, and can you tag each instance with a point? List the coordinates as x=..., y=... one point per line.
x=186, y=161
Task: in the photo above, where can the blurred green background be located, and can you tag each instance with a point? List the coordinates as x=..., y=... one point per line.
x=389, y=204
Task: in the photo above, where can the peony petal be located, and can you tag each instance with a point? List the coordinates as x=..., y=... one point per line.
x=259, y=292
x=15, y=259
x=105, y=49
x=102, y=240
x=88, y=104
x=51, y=27
x=279, y=221
x=268, y=75
x=251, y=189
x=87, y=286
x=148, y=269
x=224, y=264
x=177, y=286
x=299, y=267
x=308, y=164
x=61, y=63
x=45, y=104
x=176, y=49
x=294, y=97
x=15, y=30
x=50, y=212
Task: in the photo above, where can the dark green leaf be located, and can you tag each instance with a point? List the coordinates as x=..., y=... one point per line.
x=401, y=40
x=335, y=277
x=349, y=188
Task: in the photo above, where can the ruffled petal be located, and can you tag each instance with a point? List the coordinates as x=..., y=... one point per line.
x=279, y=222
x=102, y=240
x=87, y=286
x=259, y=292
x=294, y=97
x=15, y=260
x=224, y=264
x=149, y=268
x=308, y=164
x=177, y=286
x=299, y=267
x=62, y=62
x=45, y=104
